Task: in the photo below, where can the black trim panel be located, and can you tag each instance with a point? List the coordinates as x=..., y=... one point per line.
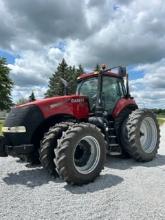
x=30, y=117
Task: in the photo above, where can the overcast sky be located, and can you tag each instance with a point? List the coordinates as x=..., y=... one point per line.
x=36, y=35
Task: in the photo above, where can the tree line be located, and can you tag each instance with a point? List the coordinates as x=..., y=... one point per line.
x=159, y=111
x=64, y=76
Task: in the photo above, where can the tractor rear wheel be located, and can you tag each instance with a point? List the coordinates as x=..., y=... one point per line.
x=121, y=131
x=80, y=154
x=143, y=135
x=49, y=143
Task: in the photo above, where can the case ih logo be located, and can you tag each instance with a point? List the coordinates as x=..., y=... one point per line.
x=58, y=104
x=77, y=100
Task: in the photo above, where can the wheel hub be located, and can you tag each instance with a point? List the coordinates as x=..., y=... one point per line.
x=82, y=154
x=148, y=135
x=86, y=155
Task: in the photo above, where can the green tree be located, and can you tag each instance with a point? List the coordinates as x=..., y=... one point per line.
x=73, y=74
x=32, y=97
x=56, y=86
x=80, y=70
x=97, y=68
x=5, y=86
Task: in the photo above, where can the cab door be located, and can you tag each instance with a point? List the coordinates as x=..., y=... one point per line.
x=112, y=92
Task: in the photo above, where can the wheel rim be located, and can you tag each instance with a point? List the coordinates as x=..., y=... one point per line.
x=148, y=134
x=86, y=155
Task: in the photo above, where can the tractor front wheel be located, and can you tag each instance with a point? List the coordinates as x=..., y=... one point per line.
x=49, y=143
x=80, y=154
x=143, y=135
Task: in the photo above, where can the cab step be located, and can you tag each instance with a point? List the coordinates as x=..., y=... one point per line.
x=115, y=149
x=113, y=136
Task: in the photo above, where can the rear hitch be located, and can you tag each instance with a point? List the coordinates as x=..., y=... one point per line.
x=2, y=147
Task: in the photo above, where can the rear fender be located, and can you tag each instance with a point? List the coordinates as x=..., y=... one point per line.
x=122, y=104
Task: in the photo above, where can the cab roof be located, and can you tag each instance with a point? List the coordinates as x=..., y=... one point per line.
x=95, y=74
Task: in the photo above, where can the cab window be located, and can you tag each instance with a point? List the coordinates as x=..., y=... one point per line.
x=89, y=88
x=112, y=92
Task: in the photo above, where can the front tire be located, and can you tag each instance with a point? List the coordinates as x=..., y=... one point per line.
x=49, y=143
x=143, y=135
x=80, y=154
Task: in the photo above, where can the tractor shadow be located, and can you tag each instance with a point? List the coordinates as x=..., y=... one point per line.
x=109, y=180
x=123, y=163
x=30, y=178
x=38, y=177
x=104, y=181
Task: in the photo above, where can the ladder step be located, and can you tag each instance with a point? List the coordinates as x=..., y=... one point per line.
x=115, y=153
x=114, y=145
x=113, y=136
x=111, y=129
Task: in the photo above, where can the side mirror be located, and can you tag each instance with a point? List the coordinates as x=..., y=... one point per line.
x=65, y=83
x=122, y=71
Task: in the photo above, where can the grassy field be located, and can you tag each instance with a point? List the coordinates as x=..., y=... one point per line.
x=161, y=116
x=161, y=121
x=1, y=124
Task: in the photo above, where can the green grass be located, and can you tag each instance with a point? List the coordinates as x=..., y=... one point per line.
x=161, y=121
x=1, y=125
x=161, y=116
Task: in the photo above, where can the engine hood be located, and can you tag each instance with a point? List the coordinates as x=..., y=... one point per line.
x=74, y=105
x=53, y=100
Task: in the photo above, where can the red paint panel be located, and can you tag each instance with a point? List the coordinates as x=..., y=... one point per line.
x=121, y=104
x=74, y=105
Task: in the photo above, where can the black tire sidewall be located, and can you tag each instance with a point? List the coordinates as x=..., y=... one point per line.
x=121, y=121
x=71, y=169
x=145, y=155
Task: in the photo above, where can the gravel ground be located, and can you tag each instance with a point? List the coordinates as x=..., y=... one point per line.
x=125, y=190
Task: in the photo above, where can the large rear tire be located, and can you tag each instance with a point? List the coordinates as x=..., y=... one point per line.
x=143, y=135
x=121, y=132
x=80, y=154
x=49, y=143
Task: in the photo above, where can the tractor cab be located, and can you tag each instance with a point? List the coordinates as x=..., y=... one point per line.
x=105, y=88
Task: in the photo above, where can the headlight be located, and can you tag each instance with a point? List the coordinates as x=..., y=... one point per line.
x=17, y=129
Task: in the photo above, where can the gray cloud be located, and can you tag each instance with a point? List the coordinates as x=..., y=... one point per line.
x=96, y=3
x=133, y=35
x=34, y=68
x=113, y=32
x=48, y=20
x=6, y=27
x=124, y=2
x=24, y=80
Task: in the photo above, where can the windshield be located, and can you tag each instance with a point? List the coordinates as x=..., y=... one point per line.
x=88, y=88
x=113, y=90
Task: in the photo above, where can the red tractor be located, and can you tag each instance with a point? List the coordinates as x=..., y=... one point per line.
x=70, y=135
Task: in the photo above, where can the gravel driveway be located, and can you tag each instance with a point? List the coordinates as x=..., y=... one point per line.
x=125, y=190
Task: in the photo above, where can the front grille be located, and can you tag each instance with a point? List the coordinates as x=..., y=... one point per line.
x=30, y=117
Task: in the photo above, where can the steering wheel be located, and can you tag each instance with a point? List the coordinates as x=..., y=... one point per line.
x=94, y=96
